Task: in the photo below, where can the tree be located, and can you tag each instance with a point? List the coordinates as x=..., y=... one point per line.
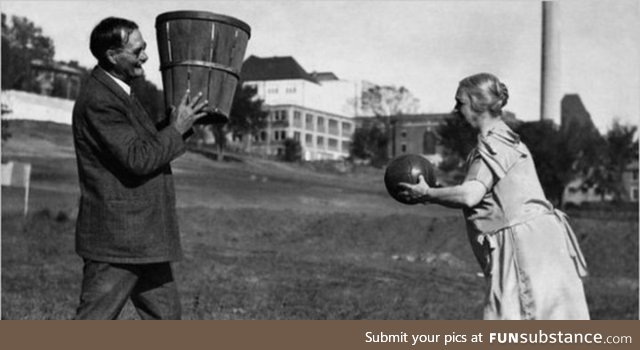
x=6, y=134
x=372, y=142
x=22, y=41
x=247, y=114
x=388, y=101
x=621, y=149
x=458, y=138
x=246, y=119
x=292, y=150
x=553, y=162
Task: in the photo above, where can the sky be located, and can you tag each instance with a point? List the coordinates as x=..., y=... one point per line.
x=425, y=46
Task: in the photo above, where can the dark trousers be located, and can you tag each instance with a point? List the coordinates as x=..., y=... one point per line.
x=106, y=287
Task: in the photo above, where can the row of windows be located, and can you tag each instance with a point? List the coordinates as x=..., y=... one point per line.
x=321, y=124
x=288, y=90
x=280, y=115
x=281, y=135
x=429, y=143
x=330, y=143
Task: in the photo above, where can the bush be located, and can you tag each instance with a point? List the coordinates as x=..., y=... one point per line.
x=292, y=150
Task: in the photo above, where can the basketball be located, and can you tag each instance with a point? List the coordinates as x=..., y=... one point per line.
x=407, y=168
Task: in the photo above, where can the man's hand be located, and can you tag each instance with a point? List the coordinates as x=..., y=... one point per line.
x=189, y=110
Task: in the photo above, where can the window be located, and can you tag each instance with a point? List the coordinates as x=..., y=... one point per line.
x=308, y=120
x=429, y=141
x=291, y=90
x=296, y=135
x=273, y=90
x=635, y=174
x=346, y=129
x=345, y=146
x=320, y=142
x=634, y=194
x=297, y=119
x=403, y=148
x=333, y=144
x=333, y=127
x=403, y=134
x=280, y=114
x=308, y=139
x=320, y=124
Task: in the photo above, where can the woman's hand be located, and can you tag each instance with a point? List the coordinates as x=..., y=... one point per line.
x=416, y=192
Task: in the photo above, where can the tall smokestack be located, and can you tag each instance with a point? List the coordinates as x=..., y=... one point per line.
x=551, y=92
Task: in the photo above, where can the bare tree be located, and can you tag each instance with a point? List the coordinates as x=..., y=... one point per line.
x=386, y=101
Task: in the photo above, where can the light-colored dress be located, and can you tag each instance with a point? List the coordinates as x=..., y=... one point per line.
x=526, y=248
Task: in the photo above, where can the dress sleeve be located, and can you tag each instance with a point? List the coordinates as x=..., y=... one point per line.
x=501, y=155
x=478, y=170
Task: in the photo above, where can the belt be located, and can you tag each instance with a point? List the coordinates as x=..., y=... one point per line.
x=572, y=244
x=571, y=240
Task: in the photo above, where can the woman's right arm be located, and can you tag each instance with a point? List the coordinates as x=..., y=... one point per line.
x=466, y=195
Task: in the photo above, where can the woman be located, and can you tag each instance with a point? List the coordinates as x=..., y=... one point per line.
x=527, y=250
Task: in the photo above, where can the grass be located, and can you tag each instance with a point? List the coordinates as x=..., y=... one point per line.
x=266, y=240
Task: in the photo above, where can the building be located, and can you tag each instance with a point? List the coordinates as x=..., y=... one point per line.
x=55, y=79
x=317, y=109
x=417, y=134
x=322, y=135
x=48, y=96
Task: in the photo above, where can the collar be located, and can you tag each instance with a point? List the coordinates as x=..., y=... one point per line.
x=120, y=83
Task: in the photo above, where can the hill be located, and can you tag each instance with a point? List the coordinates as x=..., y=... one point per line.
x=270, y=240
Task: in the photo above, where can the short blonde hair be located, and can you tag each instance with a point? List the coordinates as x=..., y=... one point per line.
x=486, y=93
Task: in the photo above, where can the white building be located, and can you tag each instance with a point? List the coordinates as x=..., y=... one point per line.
x=317, y=109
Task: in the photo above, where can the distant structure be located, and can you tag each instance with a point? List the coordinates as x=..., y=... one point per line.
x=576, y=117
x=317, y=109
x=418, y=133
x=551, y=63
x=55, y=79
x=413, y=134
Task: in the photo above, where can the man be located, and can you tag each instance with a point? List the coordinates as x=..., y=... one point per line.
x=127, y=230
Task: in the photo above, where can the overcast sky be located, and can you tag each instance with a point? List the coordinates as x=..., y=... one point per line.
x=426, y=46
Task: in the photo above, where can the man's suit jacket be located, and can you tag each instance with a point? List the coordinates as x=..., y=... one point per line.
x=127, y=208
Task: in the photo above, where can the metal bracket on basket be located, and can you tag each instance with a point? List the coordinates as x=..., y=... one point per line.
x=213, y=65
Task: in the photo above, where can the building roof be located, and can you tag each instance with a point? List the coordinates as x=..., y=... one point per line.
x=55, y=67
x=324, y=76
x=273, y=68
x=407, y=118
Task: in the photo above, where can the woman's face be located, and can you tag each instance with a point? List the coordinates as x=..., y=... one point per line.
x=463, y=108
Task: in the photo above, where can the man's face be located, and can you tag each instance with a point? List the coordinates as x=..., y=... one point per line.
x=128, y=60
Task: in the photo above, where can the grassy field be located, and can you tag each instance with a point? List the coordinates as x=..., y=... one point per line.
x=267, y=240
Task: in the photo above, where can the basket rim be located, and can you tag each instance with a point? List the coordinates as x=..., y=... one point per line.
x=202, y=15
